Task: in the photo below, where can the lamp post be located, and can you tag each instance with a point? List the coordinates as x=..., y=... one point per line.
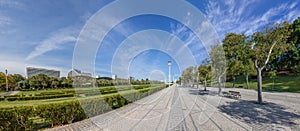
x=6, y=80
x=169, y=65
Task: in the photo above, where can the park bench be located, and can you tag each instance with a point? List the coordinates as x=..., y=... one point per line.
x=233, y=94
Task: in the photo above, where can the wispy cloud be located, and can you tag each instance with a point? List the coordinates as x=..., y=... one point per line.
x=190, y=40
x=11, y=4
x=183, y=32
x=235, y=16
x=56, y=40
x=5, y=20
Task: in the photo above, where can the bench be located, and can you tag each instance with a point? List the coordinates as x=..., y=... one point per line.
x=233, y=94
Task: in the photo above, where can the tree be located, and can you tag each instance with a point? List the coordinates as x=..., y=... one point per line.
x=232, y=44
x=33, y=82
x=268, y=45
x=18, y=77
x=218, y=61
x=2, y=79
x=290, y=59
x=204, y=74
x=234, y=69
x=188, y=75
x=294, y=51
x=238, y=56
x=273, y=75
x=54, y=83
x=39, y=81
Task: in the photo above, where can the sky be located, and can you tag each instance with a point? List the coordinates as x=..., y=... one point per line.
x=44, y=33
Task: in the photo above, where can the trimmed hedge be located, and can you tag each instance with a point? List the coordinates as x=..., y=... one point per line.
x=108, y=90
x=17, y=118
x=61, y=113
x=39, y=97
x=141, y=87
x=22, y=118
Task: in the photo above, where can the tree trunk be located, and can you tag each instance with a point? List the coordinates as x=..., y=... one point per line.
x=205, y=84
x=259, y=85
x=247, y=80
x=233, y=77
x=219, y=84
x=273, y=84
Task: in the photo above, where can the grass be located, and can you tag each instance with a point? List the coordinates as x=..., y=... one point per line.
x=281, y=84
x=7, y=104
x=2, y=92
x=26, y=93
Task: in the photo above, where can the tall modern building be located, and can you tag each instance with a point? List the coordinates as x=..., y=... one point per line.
x=76, y=72
x=32, y=71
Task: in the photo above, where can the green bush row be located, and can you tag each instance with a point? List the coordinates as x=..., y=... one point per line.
x=108, y=90
x=22, y=118
x=16, y=119
x=39, y=97
x=61, y=113
x=141, y=87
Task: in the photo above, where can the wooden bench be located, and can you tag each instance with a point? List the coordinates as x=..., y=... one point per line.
x=235, y=94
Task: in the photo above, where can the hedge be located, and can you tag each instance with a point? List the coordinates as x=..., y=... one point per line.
x=61, y=113
x=22, y=118
x=17, y=118
x=39, y=97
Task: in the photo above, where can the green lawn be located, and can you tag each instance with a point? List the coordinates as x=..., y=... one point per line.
x=2, y=92
x=282, y=83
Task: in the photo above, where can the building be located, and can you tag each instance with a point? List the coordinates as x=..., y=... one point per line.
x=76, y=72
x=32, y=71
x=114, y=77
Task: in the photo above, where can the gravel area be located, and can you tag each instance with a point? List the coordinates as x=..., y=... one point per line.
x=182, y=108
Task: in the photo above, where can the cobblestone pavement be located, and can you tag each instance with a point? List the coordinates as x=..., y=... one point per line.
x=181, y=108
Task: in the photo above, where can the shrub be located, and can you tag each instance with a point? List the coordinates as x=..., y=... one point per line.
x=17, y=118
x=8, y=120
x=61, y=113
x=39, y=97
x=21, y=118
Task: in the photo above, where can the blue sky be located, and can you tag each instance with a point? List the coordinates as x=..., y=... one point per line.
x=43, y=33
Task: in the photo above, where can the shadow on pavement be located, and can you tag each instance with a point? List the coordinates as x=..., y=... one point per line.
x=203, y=92
x=259, y=115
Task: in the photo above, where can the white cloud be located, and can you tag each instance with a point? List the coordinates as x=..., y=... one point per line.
x=12, y=4
x=235, y=16
x=5, y=20
x=56, y=40
x=182, y=31
x=13, y=66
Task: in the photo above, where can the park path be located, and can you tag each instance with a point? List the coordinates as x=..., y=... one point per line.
x=10, y=93
x=178, y=108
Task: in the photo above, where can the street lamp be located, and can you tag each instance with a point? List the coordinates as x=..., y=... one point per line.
x=169, y=65
x=6, y=80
